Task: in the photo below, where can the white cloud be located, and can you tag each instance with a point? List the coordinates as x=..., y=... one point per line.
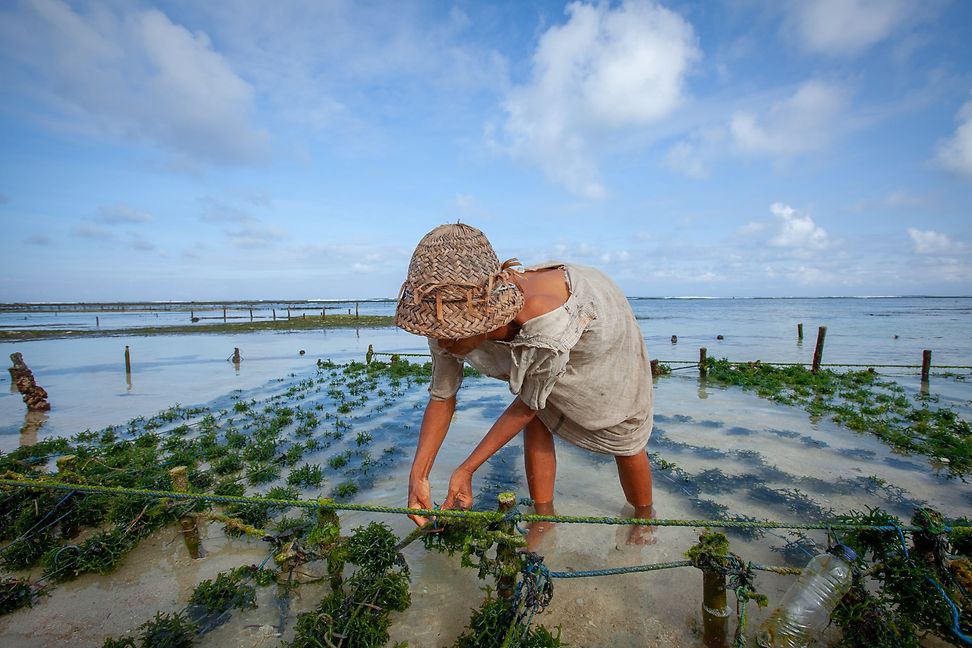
x=91, y=232
x=122, y=214
x=135, y=75
x=255, y=237
x=932, y=242
x=215, y=210
x=39, y=239
x=845, y=27
x=798, y=124
x=605, y=69
x=955, y=153
x=796, y=230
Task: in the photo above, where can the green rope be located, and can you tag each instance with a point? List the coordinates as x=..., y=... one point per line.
x=492, y=516
x=614, y=571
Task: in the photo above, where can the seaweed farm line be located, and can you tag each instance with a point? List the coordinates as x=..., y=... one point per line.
x=726, y=449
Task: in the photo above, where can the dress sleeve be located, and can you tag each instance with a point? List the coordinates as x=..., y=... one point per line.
x=446, y=373
x=534, y=372
x=541, y=353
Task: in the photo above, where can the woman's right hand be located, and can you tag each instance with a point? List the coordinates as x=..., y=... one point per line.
x=419, y=497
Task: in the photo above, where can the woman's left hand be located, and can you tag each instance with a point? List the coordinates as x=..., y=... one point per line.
x=460, y=490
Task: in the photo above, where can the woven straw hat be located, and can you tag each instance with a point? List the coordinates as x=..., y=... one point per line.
x=456, y=287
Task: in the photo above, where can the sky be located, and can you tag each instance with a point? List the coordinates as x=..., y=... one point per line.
x=300, y=149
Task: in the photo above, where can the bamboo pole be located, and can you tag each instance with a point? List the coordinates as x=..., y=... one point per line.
x=327, y=517
x=128, y=362
x=818, y=351
x=715, y=609
x=505, y=554
x=190, y=530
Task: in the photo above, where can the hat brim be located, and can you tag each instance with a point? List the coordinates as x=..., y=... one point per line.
x=457, y=319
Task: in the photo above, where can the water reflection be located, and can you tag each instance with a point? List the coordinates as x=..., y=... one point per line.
x=33, y=421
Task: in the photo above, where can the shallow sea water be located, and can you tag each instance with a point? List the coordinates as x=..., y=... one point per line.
x=737, y=454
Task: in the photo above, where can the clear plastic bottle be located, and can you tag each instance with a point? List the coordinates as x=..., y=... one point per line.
x=804, y=610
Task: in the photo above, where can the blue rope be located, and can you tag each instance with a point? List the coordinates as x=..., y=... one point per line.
x=956, y=629
x=955, y=612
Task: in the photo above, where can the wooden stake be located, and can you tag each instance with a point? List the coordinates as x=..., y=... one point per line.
x=800, y=331
x=355, y=310
x=251, y=314
x=818, y=351
x=128, y=362
x=274, y=314
x=715, y=609
x=335, y=566
x=190, y=530
x=370, y=354
x=925, y=364
x=224, y=314
x=702, y=368
x=505, y=554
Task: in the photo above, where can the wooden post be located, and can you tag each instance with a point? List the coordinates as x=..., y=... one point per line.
x=190, y=530
x=715, y=609
x=236, y=355
x=97, y=322
x=192, y=315
x=224, y=314
x=800, y=331
x=654, y=367
x=702, y=369
x=370, y=354
x=274, y=314
x=328, y=519
x=288, y=313
x=251, y=314
x=355, y=310
x=128, y=362
x=818, y=351
x=505, y=554
x=925, y=364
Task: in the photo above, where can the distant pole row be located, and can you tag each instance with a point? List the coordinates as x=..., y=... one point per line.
x=273, y=314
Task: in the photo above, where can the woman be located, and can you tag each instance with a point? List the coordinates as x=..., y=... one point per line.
x=565, y=339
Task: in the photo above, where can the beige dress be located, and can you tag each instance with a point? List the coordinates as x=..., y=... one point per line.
x=582, y=367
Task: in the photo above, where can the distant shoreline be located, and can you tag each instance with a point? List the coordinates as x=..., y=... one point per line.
x=331, y=304
x=294, y=324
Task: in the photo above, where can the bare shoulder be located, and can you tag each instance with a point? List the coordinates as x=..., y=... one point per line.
x=543, y=292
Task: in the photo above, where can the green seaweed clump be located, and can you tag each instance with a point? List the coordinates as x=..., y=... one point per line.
x=897, y=601
x=494, y=626
x=862, y=402
x=356, y=613
x=16, y=593
x=164, y=631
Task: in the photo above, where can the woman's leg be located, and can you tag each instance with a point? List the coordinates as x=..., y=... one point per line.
x=540, y=460
x=635, y=475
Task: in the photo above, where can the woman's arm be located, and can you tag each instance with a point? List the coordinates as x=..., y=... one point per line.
x=507, y=426
x=435, y=425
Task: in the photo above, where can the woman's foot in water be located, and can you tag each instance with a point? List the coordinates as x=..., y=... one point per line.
x=539, y=533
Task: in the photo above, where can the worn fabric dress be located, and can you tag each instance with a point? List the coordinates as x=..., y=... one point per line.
x=583, y=367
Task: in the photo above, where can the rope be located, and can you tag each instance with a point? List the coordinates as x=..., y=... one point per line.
x=492, y=516
x=615, y=571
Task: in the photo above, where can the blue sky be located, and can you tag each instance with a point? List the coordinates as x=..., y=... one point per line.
x=238, y=150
